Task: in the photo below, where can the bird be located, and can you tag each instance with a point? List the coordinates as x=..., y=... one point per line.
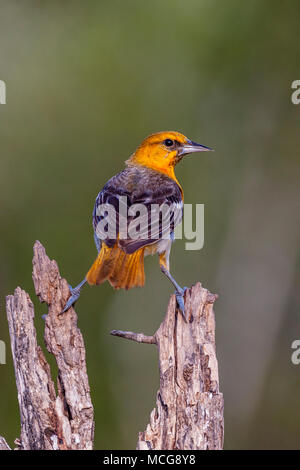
x=148, y=179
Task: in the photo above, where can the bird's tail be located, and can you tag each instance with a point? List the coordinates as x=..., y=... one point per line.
x=122, y=270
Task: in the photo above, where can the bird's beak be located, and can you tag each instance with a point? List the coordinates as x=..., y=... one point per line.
x=191, y=147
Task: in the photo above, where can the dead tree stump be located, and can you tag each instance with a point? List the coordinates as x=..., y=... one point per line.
x=189, y=406
x=48, y=420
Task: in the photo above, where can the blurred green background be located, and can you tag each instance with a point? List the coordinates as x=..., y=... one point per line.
x=86, y=82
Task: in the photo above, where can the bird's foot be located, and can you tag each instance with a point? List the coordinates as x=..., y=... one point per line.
x=75, y=293
x=179, y=293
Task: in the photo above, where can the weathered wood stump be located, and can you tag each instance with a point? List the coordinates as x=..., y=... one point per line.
x=189, y=406
x=48, y=420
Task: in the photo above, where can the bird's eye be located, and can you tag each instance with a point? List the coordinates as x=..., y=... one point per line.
x=169, y=142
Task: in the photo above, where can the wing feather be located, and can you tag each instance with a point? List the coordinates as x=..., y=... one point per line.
x=162, y=206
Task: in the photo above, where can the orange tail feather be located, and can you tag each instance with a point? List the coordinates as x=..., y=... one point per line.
x=123, y=271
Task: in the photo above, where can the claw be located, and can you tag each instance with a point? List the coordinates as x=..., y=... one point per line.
x=72, y=299
x=75, y=293
x=180, y=301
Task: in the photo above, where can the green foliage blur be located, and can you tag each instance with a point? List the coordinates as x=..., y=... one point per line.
x=86, y=82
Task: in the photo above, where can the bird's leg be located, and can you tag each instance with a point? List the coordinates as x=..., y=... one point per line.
x=179, y=292
x=75, y=293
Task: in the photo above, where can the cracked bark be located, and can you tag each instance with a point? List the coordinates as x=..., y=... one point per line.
x=49, y=420
x=3, y=444
x=189, y=405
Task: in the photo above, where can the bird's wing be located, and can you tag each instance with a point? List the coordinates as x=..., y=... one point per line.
x=106, y=215
x=160, y=212
x=150, y=215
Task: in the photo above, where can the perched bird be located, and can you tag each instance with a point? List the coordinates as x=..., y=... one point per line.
x=148, y=179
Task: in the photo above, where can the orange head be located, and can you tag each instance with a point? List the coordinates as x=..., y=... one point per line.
x=163, y=150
